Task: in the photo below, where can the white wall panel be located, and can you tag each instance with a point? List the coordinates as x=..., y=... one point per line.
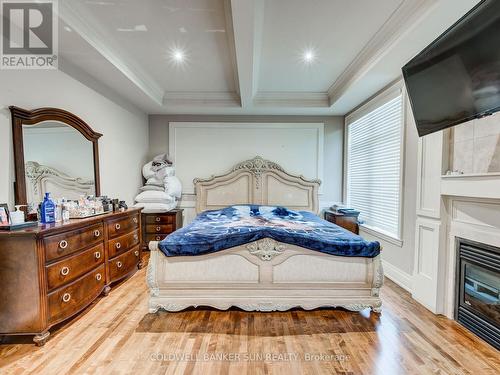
x=203, y=149
x=429, y=245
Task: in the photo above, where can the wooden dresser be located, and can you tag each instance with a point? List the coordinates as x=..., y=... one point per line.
x=155, y=227
x=349, y=222
x=52, y=272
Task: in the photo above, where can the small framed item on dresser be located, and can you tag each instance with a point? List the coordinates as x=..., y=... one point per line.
x=157, y=226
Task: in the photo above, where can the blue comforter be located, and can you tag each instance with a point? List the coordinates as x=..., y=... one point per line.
x=217, y=230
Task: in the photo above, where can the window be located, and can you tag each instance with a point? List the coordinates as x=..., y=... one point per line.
x=373, y=184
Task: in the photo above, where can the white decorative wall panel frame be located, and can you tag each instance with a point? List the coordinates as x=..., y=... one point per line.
x=202, y=148
x=430, y=150
x=428, y=275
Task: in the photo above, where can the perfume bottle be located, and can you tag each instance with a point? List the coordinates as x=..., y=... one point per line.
x=47, y=212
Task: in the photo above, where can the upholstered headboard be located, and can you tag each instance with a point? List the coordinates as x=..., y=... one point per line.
x=257, y=181
x=41, y=179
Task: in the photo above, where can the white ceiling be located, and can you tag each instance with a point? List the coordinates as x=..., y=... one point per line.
x=245, y=56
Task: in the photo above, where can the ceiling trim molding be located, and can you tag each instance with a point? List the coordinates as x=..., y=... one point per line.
x=231, y=45
x=203, y=99
x=292, y=99
x=80, y=21
x=399, y=24
x=245, y=19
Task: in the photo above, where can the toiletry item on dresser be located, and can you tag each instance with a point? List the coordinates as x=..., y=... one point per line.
x=32, y=212
x=47, y=210
x=122, y=206
x=17, y=217
x=64, y=210
x=58, y=210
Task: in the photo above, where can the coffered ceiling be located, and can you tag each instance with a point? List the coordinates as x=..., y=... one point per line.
x=246, y=56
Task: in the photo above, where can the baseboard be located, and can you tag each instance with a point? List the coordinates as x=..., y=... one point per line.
x=400, y=277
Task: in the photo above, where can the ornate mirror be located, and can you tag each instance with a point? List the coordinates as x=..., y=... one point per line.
x=54, y=151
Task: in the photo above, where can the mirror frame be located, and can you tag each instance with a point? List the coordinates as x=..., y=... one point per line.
x=22, y=117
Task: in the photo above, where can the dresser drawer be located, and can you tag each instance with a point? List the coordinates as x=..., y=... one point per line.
x=165, y=228
x=122, y=226
x=69, y=269
x=155, y=237
x=160, y=219
x=72, y=298
x=124, y=264
x=67, y=243
x=123, y=243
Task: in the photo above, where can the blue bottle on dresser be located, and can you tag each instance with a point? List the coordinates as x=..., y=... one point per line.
x=48, y=210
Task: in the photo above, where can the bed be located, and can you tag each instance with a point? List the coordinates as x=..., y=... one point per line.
x=266, y=274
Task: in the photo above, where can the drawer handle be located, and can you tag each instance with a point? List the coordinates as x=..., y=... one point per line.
x=117, y=226
x=134, y=220
x=63, y=244
x=158, y=238
x=97, y=255
x=118, y=245
x=97, y=233
x=136, y=237
x=66, y=297
x=158, y=219
x=136, y=253
x=98, y=277
x=119, y=264
x=158, y=229
x=64, y=271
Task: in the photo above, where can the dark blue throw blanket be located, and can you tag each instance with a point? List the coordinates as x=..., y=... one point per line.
x=218, y=230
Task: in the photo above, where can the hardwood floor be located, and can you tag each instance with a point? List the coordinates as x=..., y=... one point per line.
x=116, y=335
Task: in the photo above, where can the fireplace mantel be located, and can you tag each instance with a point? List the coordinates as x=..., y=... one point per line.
x=474, y=185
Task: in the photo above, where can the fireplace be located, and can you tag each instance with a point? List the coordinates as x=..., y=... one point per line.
x=477, y=304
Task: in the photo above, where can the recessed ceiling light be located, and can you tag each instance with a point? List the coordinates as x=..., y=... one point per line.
x=68, y=29
x=178, y=55
x=308, y=56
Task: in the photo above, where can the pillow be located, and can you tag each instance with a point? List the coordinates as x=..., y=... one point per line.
x=152, y=187
x=151, y=208
x=147, y=172
x=173, y=186
x=154, y=181
x=152, y=196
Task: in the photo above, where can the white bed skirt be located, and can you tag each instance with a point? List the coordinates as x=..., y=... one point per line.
x=265, y=275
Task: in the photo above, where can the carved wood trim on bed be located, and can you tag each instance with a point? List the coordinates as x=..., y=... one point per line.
x=257, y=181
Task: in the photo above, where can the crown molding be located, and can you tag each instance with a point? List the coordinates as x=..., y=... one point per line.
x=231, y=45
x=247, y=21
x=399, y=24
x=81, y=22
x=202, y=99
x=292, y=99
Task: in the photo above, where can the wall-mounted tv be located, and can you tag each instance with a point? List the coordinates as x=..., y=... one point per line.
x=457, y=78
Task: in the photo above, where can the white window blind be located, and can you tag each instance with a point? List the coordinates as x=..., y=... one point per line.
x=374, y=165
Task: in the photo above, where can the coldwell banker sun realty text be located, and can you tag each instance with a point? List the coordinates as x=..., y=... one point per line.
x=29, y=34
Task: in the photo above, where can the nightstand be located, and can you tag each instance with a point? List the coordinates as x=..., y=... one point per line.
x=157, y=226
x=346, y=221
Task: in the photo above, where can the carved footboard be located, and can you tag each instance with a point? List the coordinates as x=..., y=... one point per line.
x=264, y=275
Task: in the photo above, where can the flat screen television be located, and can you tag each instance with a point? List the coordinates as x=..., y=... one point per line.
x=457, y=77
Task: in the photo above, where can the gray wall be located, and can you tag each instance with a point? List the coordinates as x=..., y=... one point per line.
x=333, y=147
